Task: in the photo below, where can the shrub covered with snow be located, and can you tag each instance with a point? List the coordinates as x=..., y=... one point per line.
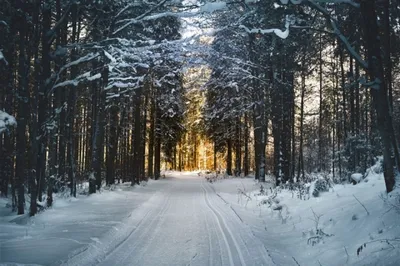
x=356, y=177
x=321, y=185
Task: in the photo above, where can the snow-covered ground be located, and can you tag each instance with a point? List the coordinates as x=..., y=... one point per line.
x=71, y=225
x=176, y=221
x=185, y=220
x=327, y=230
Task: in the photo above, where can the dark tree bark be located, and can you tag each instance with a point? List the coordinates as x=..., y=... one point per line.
x=157, y=146
x=238, y=148
x=112, y=145
x=138, y=133
x=229, y=157
x=379, y=92
x=246, y=161
x=320, y=142
x=23, y=94
x=150, y=160
x=300, y=168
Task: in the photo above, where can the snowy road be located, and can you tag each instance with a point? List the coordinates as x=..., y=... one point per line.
x=185, y=223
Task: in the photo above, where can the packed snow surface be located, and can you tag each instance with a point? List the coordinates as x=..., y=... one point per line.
x=176, y=221
x=185, y=220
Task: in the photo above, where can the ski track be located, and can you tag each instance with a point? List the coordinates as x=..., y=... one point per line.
x=222, y=223
x=229, y=211
x=138, y=236
x=184, y=223
x=153, y=233
x=210, y=245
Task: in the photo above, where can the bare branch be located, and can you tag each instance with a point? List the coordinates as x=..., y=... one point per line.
x=361, y=204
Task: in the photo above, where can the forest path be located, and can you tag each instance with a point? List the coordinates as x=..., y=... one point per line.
x=179, y=220
x=185, y=223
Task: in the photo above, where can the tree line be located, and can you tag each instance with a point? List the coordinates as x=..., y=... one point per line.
x=268, y=64
x=94, y=86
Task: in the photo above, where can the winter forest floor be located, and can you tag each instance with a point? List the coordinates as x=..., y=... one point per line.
x=184, y=220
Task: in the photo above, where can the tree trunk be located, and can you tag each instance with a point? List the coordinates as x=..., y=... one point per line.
x=157, y=146
x=137, y=137
x=150, y=166
x=246, y=146
x=112, y=146
x=238, y=148
x=300, y=168
x=229, y=158
x=379, y=92
x=23, y=94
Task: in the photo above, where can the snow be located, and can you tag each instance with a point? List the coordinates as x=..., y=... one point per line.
x=357, y=177
x=2, y=58
x=173, y=221
x=278, y=32
x=211, y=7
x=286, y=223
x=110, y=57
x=70, y=225
x=185, y=220
x=6, y=121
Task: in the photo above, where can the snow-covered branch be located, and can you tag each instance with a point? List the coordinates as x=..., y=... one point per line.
x=74, y=82
x=278, y=32
x=338, y=33
x=78, y=79
x=2, y=58
x=6, y=121
x=209, y=8
x=314, y=5
x=297, y=2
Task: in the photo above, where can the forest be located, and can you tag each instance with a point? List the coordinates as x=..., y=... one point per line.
x=115, y=91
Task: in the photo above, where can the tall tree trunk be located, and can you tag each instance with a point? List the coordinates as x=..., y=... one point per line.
x=71, y=107
x=300, y=168
x=246, y=161
x=238, y=148
x=137, y=136
x=23, y=94
x=157, y=146
x=150, y=166
x=112, y=145
x=143, y=139
x=229, y=157
x=43, y=100
x=320, y=157
x=379, y=92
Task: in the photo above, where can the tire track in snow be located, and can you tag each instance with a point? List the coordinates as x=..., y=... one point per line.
x=260, y=246
x=114, y=240
x=208, y=228
x=94, y=258
x=140, y=235
x=219, y=218
x=151, y=235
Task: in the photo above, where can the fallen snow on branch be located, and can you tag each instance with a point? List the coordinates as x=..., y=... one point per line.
x=2, y=58
x=349, y=2
x=77, y=80
x=278, y=32
x=212, y=7
x=6, y=121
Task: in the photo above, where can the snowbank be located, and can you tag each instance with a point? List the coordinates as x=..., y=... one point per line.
x=348, y=225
